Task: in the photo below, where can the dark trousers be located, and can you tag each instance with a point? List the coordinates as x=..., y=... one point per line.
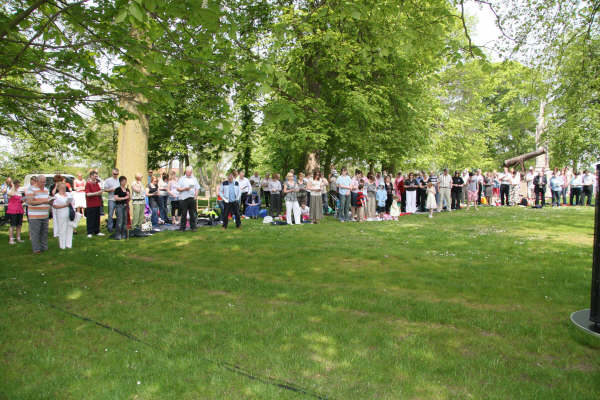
x=276, y=204
x=233, y=208
x=266, y=197
x=456, y=197
x=587, y=193
x=504, y=191
x=388, y=202
x=403, y=202
x=93, y=220
x=186, y=205
x=540, y=193
x=575, y=192
x=121, y=227
x=421, y=199
x=243, y=200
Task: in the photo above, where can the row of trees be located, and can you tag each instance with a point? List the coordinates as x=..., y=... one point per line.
x=285, y=84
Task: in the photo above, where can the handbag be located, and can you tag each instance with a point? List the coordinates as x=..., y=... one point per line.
x=71, y=213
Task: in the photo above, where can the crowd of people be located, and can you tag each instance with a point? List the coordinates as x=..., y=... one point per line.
x=169, y=199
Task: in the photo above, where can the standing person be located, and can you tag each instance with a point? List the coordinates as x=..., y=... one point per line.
x=435, y=180
x=152, y=195
x=530, y=187
x=495, y=188
x=255, y=183
x=567, y=176
x=588, y=188
x=515, y=183
x=360, y=202
x=174, y=198
x=231, y=194
x=14, y=211
x=290, y=190
x=472, y=187
x=110, y=184
x=445, y=184
x=381, y=198
x=464, y=192
x=371, y=187
x=410, y=186
x=389, y=190
x=354, y=191
x=556, y=186
x=457, y=188
x=53, y=190
x=431, y=203
x=79, y=194
x=302, y=194
x=539, y=186
x=505, y=182
x=138, y=205
x=400, y=190
x=421, y=191
x=4, y=189
x=121, y=196
x=333, y=192
x=38, y=212
x=245, y=189
x=93, y=194
x=264, y=190
x=324, y=192
x=576, y=185
x=62, y=202
x=488, y=187
x=163, y=197
x=275, y=190
x=344, y=184
x=188, y=187
x=316, y=200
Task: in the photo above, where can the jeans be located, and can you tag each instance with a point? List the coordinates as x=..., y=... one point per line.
x=121, y=228
x=540, y=193
x=344, y=207
x=188, y=205
x=39, y=234
x=109, y=218
x=556, y=197
x=564, y=195
x=154, y=216
x=162, y=208
x=325, y=203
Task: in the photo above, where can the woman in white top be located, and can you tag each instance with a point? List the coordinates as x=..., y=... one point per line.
x=79, y=193
x=290, y=190
x=64, y=228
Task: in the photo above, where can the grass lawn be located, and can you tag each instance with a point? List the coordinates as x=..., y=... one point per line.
x=464, y=305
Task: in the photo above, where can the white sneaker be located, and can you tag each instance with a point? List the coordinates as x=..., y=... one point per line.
x=89, y=235
x=99, y=234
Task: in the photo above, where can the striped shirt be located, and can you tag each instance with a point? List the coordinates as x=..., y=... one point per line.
x=37, y=211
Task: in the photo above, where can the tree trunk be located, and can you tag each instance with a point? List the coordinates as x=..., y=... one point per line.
x=542, y=160
x=132, y=147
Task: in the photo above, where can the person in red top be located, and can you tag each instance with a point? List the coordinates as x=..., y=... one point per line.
x=400, y=190
x=93, y=196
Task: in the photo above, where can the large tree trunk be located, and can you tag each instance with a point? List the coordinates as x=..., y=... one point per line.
x=132, y=147
x=542, y=160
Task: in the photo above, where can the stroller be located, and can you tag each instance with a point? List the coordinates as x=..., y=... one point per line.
x=333, y=203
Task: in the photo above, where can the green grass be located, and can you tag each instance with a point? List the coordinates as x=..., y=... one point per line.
x=464, y=305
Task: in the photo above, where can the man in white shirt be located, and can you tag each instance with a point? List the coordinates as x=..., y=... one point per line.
x=245, y=188
x=505, y=179
x=188, y=187
x=515, y=184
x=110, y=184
x=445, y=184
x=529, y=180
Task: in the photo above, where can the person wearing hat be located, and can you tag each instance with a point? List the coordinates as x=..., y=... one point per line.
x=530, y=187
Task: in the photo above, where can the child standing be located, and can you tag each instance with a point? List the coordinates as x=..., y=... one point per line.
x=431, y=203
x=381, y=197
x=15, y=212
x=360, y=203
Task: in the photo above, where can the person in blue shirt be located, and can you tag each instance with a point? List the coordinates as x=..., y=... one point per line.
x=344, y=183
x=381, y=198
x=231, y=195
x=556, y=187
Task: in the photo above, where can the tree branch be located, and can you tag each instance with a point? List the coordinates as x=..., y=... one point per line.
x=20, y=17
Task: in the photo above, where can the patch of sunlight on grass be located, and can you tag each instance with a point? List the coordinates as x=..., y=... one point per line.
x=315, y=320
x=581, y=239
x=318, y=338
x=149, y=389
x=74, y=294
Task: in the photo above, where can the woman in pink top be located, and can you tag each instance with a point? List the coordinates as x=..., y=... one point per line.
x=15, y=212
